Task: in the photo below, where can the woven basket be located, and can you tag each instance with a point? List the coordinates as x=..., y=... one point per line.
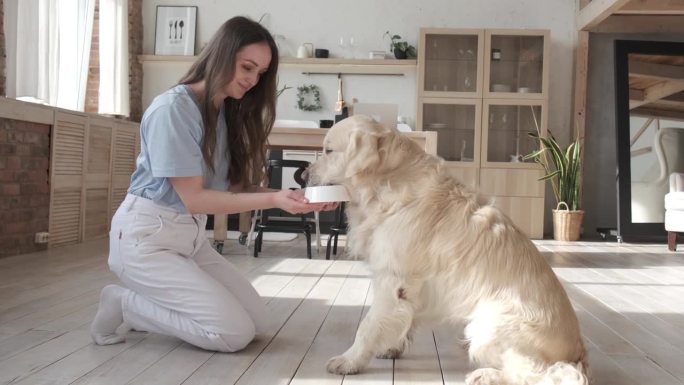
x=567, y=223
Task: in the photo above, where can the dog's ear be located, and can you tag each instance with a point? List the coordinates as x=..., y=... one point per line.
x=362, y=152
x=395, y=150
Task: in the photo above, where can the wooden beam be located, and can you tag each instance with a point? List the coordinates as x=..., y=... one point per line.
x=655, y=70
x=636, y=94
x=597, y=11
x=641, y=151
x=673, y=12
x=653, y=7
x=666, y=103
x=638, y=134
x=581, y=64
x=580, y=102
x=676, y=97
x=641, y=24
x=657, y=92
x=657, y=113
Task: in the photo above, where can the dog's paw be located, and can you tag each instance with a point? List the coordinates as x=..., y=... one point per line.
x=390, y=354
x=483, y=376
x=396, y=351
x=341, y=365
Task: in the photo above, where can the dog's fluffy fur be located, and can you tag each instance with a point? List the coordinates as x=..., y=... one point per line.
x=440, y=253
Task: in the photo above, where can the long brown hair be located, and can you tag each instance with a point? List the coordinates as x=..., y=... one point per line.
x=250, y=119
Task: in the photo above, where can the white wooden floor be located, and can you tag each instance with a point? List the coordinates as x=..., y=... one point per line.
x=629, y=298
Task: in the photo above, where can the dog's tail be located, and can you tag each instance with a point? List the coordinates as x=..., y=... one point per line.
x=565, y=373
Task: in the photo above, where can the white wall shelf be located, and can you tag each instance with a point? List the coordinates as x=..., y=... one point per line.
x=350, y=66
x=315, y=66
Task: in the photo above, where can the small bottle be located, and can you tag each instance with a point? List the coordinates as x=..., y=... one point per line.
x=496, y=54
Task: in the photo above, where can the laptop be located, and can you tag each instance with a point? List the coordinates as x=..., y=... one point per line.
x=385, y=114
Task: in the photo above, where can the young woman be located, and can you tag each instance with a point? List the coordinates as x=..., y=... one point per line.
x=202, y=142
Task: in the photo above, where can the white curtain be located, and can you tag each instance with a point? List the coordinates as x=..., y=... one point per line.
x=48, y=50
x=114, y=90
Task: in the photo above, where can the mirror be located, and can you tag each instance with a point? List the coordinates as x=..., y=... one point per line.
x=649, y=79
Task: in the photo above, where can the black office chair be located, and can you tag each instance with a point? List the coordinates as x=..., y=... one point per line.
x=340, y=227
x=267, y=224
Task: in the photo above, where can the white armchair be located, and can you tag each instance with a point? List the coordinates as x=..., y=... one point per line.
x=674, y=210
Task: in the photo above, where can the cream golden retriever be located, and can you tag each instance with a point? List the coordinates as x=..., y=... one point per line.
x=440, y=253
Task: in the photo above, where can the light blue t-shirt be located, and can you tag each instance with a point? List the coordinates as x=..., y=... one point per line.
x=171, y=146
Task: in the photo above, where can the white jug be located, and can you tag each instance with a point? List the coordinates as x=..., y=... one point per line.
x=305, y=51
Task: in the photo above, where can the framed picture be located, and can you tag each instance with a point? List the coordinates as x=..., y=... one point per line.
x=175, y=30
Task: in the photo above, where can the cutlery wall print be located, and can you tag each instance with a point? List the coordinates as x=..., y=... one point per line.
x=176, y=29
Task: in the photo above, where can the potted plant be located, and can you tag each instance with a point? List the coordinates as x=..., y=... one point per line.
x=400, y=48
x=563, y=168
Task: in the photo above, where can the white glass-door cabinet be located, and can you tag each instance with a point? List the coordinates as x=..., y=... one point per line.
x=483, y=91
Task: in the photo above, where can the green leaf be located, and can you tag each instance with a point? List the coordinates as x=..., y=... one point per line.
x=549, y=176
x=562, y=166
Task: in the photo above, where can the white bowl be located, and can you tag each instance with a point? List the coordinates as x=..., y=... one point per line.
x=501, y=88
x=436, y=126
x=317, y=194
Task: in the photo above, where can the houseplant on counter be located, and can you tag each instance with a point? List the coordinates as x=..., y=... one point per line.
x=563, y=167
x=401, y=49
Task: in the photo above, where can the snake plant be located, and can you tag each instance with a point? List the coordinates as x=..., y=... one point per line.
x=563, y=168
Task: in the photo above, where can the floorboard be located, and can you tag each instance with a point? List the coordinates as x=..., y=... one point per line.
x=628, y=298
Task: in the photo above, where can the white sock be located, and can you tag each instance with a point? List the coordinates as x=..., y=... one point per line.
x=109, y=316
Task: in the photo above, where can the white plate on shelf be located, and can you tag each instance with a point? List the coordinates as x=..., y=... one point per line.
x=319, y=194
x=436, y=126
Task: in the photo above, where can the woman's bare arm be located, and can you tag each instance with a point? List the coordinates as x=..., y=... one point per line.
x=199, y=200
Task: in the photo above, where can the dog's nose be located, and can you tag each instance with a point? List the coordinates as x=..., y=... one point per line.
x=301, y=176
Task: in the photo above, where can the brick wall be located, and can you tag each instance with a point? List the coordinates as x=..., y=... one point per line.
x=94, y=66
x=135, y=44
x=24, y=187
x=135, y=73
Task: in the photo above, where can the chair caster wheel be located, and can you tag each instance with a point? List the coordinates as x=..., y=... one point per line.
x=242, y=239
x=218, y=245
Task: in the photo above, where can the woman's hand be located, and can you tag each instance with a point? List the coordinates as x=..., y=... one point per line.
x=294, y=202
x=329, y=206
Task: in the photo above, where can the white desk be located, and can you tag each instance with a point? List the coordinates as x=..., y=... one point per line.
x=306, y=139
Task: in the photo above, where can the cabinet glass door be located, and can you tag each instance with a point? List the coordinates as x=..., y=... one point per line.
x=451, y=64
x=507, y=128
x=455, y=124
x=516, y=64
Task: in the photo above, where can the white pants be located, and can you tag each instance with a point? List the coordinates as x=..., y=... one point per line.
x=178, y=284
